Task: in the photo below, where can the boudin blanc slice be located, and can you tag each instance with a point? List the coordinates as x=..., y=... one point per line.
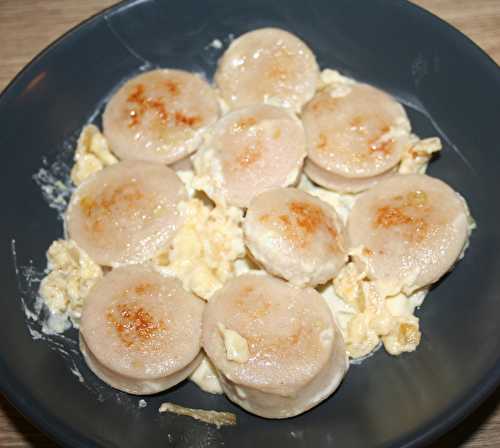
x=276, y=347
x=251, y=150
x=141, y=332
x=159, y=116
x=296, y=236
x=126, y=213
x=267, y=65
x=408, y=231
x=356, y=132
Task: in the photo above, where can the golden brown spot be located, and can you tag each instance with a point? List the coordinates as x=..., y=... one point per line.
x=137, y=95
x=384, y=147
x=249, y=156
x=305, y=220
x=172, y=87
x=141, y=104
x=145, y=288
x=138, y=99
x=290, y=231
x=285, y=220
x=280, y=66
x=277, y=71
x=122, y=199
x=367, y=252
x=133, y=324
x=244, y=124
x=309, y=217
x=277, y=134
x=159, y=107
x=388, y=215
x=186, y=120
x=322, y=142
x=87, y=204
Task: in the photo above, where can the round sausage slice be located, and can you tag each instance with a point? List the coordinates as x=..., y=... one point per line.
x=408, y=231
x=295, y=355
x=141, y=332
x=296, y=236
x=342, y=184
x=361, y=133
x=126, y=213
x=159, y=116
x=251, y=150
x=267, y=65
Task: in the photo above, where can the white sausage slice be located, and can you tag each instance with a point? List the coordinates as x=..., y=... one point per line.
x=252, y=150
x=295, y=236
x=267, y=65
x=408, y=231
x=126, y=213
x=342, y=184
x=296, y=354
x=158, y=116
x=361, y=133
x=141, y=332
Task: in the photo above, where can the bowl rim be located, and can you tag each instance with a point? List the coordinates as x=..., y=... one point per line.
x=15, y=392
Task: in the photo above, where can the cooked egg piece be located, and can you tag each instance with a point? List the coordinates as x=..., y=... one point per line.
x=407, y=232
x=357, y=132
x=250, y=150
x=92, y=154
x=296, y=236
x=72, y=274
x=332, y=181
x=159, y=116
x=267, y=65
x=140, y=332
x=126, y=213
x=296, y=353
x=205, y=377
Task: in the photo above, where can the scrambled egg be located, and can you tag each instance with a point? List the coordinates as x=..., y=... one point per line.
x=209, y=177
x=203, y=253
x=416, y=159
x=92, y=154
x=72, y=275
x=333, y=77
x=206, y=378
x=235, y=344
x=367, y=317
